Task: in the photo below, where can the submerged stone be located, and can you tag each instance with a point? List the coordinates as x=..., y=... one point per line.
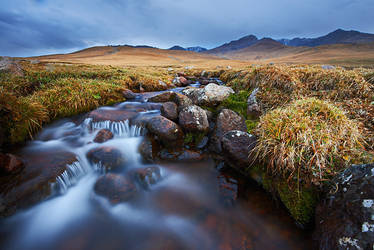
x=109, y=157
x=117, y=188
x=103, y=135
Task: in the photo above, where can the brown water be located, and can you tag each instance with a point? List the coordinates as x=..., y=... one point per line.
x=193, y=206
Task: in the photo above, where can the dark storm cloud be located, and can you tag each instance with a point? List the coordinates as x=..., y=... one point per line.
x=31, y=27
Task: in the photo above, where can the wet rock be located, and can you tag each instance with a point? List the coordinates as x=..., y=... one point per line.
x=182, y=101
x=236, y=148
x=113, y=115
x=109, y=157
x=170, y=111
x=142, y=120
x=253, y=108
x=345, y=217
x=228, y=189
x=183, y=155
x=10, y=164
x=103, y=135
x=117, y=188
x=194, y=119
x=163, y=97
x=33, y=184
x=211, y=95
x=227, y=120
x=147, y=176
x=129, y=95
x=166, y=131
x=146, y=149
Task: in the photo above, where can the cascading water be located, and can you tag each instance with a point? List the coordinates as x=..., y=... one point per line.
x=182, y=210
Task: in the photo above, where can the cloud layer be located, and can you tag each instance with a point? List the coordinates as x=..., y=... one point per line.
x=33, y=27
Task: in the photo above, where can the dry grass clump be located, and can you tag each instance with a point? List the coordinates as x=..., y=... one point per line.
x=310, y=140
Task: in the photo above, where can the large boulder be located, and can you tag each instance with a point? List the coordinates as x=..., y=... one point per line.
x=170, y=111
x=10, y=164
x=236, y=148
x=117, y=188
x=211, y=95
x=166, y=131
x=103, y=135
x=345, y=217
x=110, y=158
x=194, y=119
x=227, y=120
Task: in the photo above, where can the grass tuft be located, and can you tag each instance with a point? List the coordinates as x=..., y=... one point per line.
x=309, y=139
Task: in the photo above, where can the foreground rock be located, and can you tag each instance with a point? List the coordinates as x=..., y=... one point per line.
x=236, y=148
x=211, y=95
x=33, y=184
x=227, y=120
x=103, y=135
x=110, y=158
x=194, y=119
x=117, y=188
x=10, y=164
x=170, y=111
x=166, y=131
x=345, y=218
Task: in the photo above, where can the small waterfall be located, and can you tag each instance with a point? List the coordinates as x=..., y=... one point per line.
x=69, y=177
x=121, y=128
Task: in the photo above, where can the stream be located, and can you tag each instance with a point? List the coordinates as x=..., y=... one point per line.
x=198, y=205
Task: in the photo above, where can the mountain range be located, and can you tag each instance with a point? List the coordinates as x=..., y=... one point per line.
x=336, y=37
x=194, y=49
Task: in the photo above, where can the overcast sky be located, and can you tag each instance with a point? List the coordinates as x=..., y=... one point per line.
x=34, y=27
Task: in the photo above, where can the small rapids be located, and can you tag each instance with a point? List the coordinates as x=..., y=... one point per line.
x=184, y=206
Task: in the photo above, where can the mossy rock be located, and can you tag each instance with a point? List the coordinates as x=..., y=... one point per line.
x=300, y=200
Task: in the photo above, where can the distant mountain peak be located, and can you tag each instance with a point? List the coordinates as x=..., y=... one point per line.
x=241, y=43
x=176, y=47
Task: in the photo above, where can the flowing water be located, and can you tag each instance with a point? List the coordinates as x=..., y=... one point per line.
x=193, y=205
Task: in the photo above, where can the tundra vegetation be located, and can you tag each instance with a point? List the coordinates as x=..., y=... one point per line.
x=314, y=122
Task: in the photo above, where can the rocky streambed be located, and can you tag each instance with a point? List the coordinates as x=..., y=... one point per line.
x=159, y=171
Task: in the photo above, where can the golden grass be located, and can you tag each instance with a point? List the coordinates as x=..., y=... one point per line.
x=47, y=91
x=309, y=139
